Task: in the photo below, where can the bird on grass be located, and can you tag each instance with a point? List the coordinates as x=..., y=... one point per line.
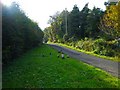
x=62, y=55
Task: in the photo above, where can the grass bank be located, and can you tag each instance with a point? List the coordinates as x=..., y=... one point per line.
x=38, y=69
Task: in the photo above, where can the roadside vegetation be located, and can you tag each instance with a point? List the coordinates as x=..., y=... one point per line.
x=94, y=47
x=19, y=33
x=38, y=68
x=90, y=30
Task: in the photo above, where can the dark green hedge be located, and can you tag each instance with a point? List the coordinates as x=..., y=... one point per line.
x=19, y=33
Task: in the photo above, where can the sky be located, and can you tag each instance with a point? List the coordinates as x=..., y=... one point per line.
x=41, y=10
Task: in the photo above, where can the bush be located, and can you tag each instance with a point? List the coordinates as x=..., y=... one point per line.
x=87, y=45
x=99, y=46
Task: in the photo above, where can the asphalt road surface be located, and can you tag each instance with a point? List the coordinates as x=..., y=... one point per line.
x=107, y=65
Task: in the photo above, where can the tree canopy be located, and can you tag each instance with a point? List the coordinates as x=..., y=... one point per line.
x=110, y=23
x=80, y=24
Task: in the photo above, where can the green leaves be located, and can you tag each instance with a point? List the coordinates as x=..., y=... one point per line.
x=76, y=23
x=19, y=33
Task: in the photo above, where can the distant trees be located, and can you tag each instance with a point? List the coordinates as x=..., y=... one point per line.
x=19, y=33
x=80, y=24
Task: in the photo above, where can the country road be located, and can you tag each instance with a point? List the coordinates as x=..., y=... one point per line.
x=106, y=65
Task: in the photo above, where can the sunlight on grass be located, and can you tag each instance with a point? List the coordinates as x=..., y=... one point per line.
x=33, y=70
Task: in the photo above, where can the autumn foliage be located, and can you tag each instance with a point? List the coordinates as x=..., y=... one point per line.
x=110, y=23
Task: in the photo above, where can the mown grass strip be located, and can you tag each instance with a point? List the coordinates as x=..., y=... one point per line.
x=38, y=69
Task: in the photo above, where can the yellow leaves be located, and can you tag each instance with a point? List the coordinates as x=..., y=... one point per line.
x=110, y=22
x=113, y=12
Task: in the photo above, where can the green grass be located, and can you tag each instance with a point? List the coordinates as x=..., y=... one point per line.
x=116, y=59
x=34, y=71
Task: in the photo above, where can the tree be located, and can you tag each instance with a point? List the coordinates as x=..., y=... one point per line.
x=57, y=26
x=83, y=20
x=93, y=20
x=109, y=24
x=74, y=19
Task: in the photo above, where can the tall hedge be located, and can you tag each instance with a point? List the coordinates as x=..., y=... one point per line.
x=19, y=33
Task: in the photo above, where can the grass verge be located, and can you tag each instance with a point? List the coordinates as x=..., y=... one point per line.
x=35, y=70
x=90, y=53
